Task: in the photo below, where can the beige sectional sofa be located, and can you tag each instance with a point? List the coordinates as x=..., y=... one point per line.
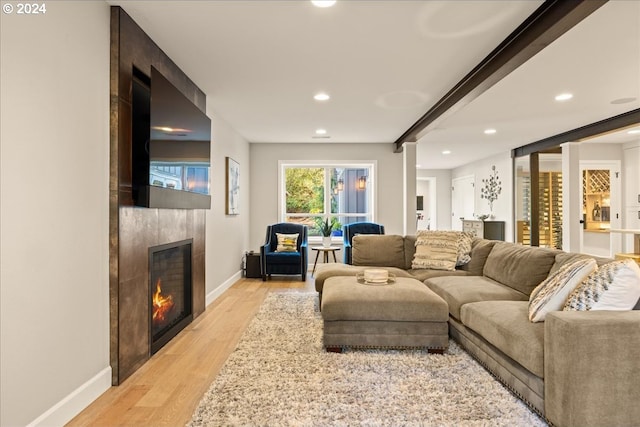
x=574, y=369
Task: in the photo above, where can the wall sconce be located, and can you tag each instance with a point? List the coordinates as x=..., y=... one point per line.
x=362, y=183
x=336, y=190
x=340, y=185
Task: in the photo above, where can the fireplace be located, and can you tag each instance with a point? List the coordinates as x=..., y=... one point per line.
x=170, y=291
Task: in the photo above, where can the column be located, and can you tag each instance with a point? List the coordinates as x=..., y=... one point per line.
x=571, y=197
x=410, y=184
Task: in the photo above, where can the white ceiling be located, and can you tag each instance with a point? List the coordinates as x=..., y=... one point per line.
x=385, y=63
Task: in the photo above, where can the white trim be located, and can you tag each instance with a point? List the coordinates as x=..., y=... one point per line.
x=214, y=294
x=76, y=401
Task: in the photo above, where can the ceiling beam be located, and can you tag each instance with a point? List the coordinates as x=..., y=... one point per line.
x=550, y=21
x=630, y=118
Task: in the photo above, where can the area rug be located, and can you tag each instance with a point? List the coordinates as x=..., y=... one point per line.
x=280, y=375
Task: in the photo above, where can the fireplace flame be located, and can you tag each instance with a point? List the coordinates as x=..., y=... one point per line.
x=162, y=305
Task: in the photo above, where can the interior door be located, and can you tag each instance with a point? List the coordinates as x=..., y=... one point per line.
x=462, y=200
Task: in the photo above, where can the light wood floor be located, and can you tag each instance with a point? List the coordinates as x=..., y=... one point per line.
x=166, y=390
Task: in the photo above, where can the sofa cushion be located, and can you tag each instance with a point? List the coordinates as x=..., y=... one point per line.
x=519, y=267
x=457, y=291
x=552, y=294
x=480, y=249
x=424, y=274
x=614, y=286
x=505, y=324
x=332, y=269
x=282, y=257
x=409, y=250
x=563, y=258
x=437, y=250
x=378, y=250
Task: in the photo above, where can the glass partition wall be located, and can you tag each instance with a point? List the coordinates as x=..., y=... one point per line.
x=522, y=199
x=538, y=199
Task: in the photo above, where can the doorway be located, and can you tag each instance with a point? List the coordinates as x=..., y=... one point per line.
x=427, y=213
x=463, y=200
x=601, y=207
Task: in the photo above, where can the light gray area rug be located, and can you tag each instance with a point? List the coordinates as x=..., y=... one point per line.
x=280, y=375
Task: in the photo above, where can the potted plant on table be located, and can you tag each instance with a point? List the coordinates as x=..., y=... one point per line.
x=326, y=228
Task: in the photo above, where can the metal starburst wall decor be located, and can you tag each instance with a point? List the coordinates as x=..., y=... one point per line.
x=492, y=188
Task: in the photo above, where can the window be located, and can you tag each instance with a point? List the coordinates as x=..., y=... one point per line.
x=339, y=193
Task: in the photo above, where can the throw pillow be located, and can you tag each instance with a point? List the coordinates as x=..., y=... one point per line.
x=552, y=294
x=614, y=286
x=287, y=242
x=437, y=250
x=465, y=239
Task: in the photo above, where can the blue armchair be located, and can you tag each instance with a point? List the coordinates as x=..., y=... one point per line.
x=273, y=262
x=350, y=230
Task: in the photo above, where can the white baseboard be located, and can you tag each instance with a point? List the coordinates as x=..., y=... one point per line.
x=64, y=411
x=214, y=294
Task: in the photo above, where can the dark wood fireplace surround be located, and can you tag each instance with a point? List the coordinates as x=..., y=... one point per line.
x=133, y=229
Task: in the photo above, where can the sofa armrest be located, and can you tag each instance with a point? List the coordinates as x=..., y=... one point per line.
x=304, y=255
x=592, y=368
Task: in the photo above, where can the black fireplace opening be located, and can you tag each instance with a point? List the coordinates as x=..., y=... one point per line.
x=170, y=291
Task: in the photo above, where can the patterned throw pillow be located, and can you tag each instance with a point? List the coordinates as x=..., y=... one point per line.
x=439, y=250
x=614, y=286
x=287, y=242
x=552, y=294
x=465, y=239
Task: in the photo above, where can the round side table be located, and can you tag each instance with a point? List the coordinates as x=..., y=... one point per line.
x=325, y=254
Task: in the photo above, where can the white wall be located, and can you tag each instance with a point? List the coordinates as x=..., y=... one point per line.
x=503, y=206
x=591, y=151
x=54, y=211
x=264, y=180
x=227, y=235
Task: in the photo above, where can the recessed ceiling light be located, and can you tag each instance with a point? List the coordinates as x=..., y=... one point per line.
x=623, y=100
x=490, y=131
x=445, y=152
x=564, y=97
x=418, y=166
x=321, y=96
x=321, y=131
x=323, y=3
x=634, y=132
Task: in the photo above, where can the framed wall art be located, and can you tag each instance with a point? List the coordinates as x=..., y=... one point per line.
x=233, y=187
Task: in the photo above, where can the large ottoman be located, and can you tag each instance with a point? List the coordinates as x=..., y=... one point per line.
x=404, y=314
